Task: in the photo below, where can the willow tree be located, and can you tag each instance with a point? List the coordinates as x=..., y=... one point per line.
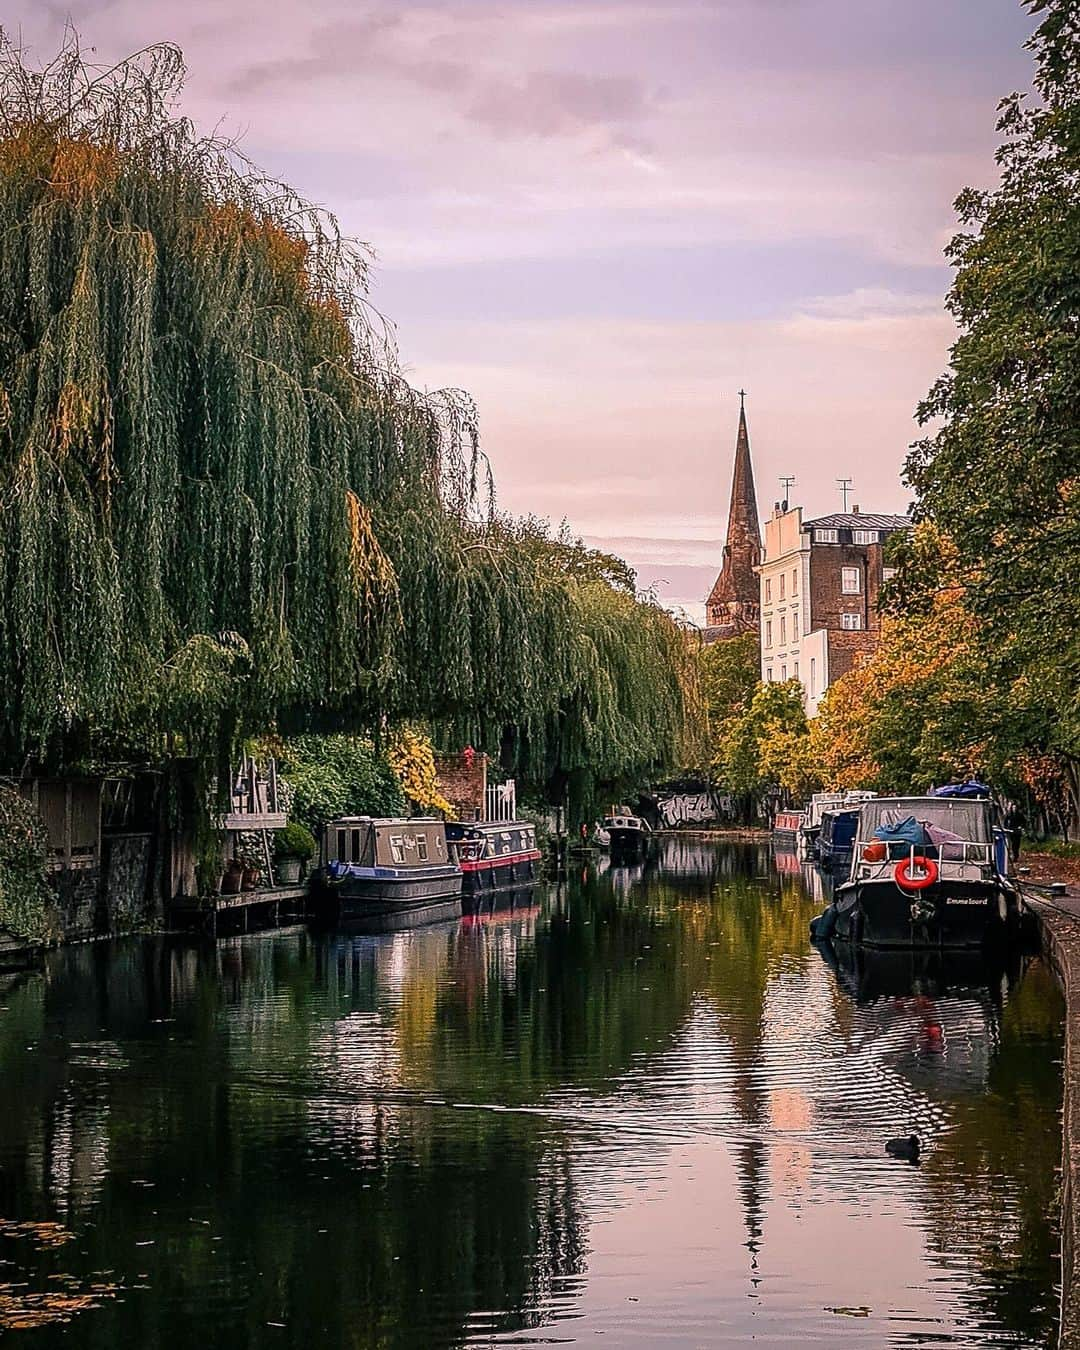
x=224, y=509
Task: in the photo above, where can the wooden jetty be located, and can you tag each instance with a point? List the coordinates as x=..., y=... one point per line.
x=270, y=905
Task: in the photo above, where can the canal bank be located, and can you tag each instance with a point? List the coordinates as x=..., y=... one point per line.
x=1058, y=919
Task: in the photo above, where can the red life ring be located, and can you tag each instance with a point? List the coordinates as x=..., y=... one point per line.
x=904, y=878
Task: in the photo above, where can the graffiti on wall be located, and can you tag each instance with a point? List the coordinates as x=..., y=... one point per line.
x=691, y=808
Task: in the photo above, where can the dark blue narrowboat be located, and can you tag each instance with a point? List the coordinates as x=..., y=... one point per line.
x=494, y=855
x=836, y=838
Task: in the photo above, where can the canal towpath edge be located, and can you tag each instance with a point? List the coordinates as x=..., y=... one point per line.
x=1058, y=919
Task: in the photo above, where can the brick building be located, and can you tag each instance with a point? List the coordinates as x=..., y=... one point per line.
x=732, y=606
x=820, y=582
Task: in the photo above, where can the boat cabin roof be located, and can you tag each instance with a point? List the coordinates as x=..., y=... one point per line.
x=385, y=820
x=967, y=818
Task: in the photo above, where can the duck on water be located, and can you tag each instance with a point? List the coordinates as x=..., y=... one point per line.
x=926, y=872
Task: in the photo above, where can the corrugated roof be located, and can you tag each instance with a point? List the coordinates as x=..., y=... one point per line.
x=858, y=520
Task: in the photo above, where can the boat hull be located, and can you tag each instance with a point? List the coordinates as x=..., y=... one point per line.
x=370, y=891
x=623, y=840
x=958, y=915
x=485, y=876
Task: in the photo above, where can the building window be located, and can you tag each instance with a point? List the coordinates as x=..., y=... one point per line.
x=783, y=672
x=783, y=631
x=796, y=670
x=826, y=536
x=768, y=674
x=887, y=573
x=849, y=580
x=768, y=589
x=864, y=536
x=781, y=585
x=794, y=581
x=768, y=632
x=813, y=678
x=851, y=621
x=794, y=625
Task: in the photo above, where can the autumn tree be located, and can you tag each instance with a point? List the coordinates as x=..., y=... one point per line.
x=1001, y=474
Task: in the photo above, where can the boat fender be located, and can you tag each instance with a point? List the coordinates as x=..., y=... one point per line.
x=910, y=880
x=821, y=928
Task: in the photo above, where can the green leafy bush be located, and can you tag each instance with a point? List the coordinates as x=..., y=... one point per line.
x=336, y=776
x=294, y=841
x=25, y=896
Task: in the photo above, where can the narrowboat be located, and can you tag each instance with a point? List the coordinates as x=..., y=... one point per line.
x=787, y=824
x=626, y=832
x=494, y=855
x=836, y=838
x=925, y=872
x=810, y=828
x=386, y=866
x=818, y=804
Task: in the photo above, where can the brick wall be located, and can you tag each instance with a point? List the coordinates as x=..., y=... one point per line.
x=827, y=600
x=847, y=650
x=463, y=783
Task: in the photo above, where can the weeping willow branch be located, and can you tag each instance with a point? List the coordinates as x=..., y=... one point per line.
x=223, y=506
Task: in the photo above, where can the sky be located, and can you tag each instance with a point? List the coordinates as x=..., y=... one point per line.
x=603, y=218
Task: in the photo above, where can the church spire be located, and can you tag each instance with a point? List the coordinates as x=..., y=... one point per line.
x=732, y=605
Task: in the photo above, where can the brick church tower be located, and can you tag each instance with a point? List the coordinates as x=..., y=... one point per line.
x=732, y=606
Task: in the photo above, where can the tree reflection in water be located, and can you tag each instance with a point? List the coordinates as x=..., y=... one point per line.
x=437, y=1135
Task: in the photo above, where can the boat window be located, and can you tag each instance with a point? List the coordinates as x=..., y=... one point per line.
x=341, y=854
x=968, y=819
x=397, y=848
x=421, y=847
x=355, y=841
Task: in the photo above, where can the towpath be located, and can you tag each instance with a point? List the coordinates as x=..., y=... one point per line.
x=1057, y=912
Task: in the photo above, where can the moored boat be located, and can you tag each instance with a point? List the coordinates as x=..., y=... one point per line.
x=385, y=866
x=925, y=872
x=787, y=824
x=836, y=838
x=819, y=803
x=494, y=855
x=626, y=832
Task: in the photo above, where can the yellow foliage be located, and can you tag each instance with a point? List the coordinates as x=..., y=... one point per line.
x=412, y=758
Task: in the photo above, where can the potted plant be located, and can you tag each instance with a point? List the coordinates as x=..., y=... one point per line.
x=293, y=846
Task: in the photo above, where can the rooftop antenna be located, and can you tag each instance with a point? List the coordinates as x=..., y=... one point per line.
x=787, y=482
x=845, y=487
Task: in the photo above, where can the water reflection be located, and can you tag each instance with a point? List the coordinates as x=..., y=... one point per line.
x=639, y=1104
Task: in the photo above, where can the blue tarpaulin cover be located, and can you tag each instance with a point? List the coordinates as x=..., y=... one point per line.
x=970, y=788
x=906, y=831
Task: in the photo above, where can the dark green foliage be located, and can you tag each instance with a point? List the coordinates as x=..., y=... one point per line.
x=1002, y=474
x=294, y=841
x=25, y=896
x=336, y=776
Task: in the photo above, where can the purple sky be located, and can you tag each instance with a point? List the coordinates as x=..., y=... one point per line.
x=603, y=218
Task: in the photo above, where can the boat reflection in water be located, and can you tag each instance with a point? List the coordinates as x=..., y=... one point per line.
x=935, y=1015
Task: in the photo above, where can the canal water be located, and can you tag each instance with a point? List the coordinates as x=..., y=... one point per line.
x=637, y=1106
